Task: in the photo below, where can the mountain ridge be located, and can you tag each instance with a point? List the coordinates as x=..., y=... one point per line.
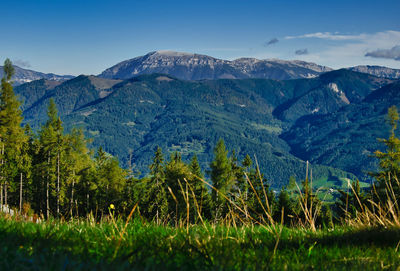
x=193, y=66
x=22, y=76
x=188, y=66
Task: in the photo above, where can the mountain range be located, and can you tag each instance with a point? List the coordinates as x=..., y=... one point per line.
x=332, y=119
x=187, y=66
x=22, y=76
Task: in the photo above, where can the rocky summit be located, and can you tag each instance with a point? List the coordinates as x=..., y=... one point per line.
x=189, y=66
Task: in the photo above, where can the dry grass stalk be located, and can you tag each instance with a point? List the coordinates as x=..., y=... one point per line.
x=379, y=212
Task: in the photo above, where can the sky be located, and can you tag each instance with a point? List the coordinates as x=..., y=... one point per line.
x=86, y=37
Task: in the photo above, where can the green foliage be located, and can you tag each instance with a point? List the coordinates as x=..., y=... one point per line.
x=156, y=201
x=222, y=178
x=110, y=181
x=389, y=161
x=195, y=167
x=12, y=136
x=8, y=70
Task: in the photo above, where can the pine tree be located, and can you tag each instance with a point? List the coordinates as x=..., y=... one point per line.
x=238, y=173
x=221, y=177
x=195, y=167
x=389, y=161
x=203, y=197
x=176, y=175
x=12, y=136
x=156, y=196
x=52, y=148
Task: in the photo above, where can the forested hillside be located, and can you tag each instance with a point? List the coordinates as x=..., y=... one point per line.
x=346, y=138
x=130, y=118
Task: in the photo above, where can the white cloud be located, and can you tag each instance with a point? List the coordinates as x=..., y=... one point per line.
x=327, y=36
x=350, y=50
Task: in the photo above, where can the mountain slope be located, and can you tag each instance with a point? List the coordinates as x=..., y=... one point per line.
x=196, y=67
x=329, y=92
x=69, y=96
x=346, y=138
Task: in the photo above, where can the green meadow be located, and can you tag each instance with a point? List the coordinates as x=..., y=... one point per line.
x=82, y=245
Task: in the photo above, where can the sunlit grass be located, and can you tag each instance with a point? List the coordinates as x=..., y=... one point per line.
x=80, y=245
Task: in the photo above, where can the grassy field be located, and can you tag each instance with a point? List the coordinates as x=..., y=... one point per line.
x=110, y=246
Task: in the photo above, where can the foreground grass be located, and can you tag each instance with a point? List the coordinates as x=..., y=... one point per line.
x=82, y=246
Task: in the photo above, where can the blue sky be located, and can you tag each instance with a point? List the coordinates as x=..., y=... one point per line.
x=86, y=37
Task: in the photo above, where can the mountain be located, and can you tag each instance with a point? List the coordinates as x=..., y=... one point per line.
x=378, y=71
x=346, y=138
x=328, y=93
x=130, y=118
x=22, y=76
x=69, y=96
x=198, y=67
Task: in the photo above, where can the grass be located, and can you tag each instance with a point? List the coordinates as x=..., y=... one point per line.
x=79, y=245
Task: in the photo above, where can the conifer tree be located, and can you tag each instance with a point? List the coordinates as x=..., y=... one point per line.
x=195, y=167
x=12, y=135
x=250, y=172
x=389, y=161
x=203, y=197
x=52, y=146
x=238, y=172
x=156, y=196
x=176, y=175
x=221, y=177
